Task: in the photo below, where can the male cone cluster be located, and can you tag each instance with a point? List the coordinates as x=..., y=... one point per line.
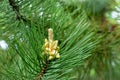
x=51, y=46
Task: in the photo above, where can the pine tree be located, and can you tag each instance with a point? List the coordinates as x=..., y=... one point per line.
x=57, y=40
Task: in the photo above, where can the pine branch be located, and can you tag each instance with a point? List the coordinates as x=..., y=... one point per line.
x=19, y=16
x=16, y=9
x=75, y=46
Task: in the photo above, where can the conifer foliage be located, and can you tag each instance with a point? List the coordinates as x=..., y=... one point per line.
x=46, y=42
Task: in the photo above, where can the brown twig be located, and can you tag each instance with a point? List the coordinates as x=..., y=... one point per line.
x=43, y=71
x=15, y=8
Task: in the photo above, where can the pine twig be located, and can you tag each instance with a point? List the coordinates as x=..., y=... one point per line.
x=43, y=71
x=15, y=8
